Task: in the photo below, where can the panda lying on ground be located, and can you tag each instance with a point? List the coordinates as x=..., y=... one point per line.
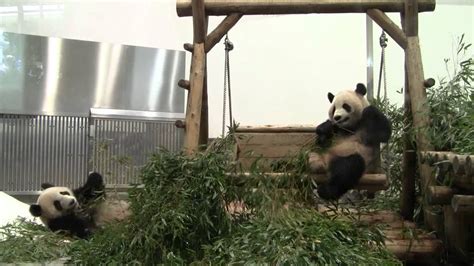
x=352, y=134
x=78, y=211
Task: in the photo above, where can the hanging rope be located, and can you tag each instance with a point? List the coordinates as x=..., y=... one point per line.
x=228, y=46
x=383, y=44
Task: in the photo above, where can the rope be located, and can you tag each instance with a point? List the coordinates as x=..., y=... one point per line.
x=228, y=47
x=383, y=44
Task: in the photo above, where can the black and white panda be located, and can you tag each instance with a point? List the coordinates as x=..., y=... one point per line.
x=78, y=211
x=352, y=136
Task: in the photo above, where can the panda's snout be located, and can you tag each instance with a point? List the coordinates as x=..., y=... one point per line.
x=337, y=118
x=72, y=202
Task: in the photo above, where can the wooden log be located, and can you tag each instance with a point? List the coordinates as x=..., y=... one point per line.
x=414, y=250
x=216, y=35
x=369, y=182
x=458, y=162
x=180, y=124
x=469, y=166
x=199, y=20
x=463, y=203
x=407, y=234
x=188, y=47
x=428, y=83
x=184, y=84
x=277, y=129
x=458, y=228
x=269, y=7
x=389, y=26
x=194, y=106
x=441, y=195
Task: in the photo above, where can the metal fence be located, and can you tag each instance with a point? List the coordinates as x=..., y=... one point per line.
x=63, y=149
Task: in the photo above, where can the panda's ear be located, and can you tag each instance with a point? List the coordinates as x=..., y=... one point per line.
x=35, y=210
x=361, y=89
x=330, y=97
x=46, y=185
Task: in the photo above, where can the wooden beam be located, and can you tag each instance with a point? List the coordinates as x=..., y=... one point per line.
x=195, y=99
x=216, y=35
x=389, y=26
x=277, y=129
x=463, y=203
x=199, y=20
x=369, y=182
x=268, y=7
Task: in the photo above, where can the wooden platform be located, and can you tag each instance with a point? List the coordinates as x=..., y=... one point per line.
x=403, y=239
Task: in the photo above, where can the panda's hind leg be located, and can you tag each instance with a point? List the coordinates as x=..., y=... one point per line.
x=344, y=174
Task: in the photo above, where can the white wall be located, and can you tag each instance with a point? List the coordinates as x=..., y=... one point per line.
x=282, y=66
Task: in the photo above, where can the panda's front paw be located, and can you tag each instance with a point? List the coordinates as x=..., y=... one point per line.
x=328, y=192
x=324, y=133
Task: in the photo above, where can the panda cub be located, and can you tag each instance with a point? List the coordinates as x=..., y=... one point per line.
x=352, y=135
x=78, y=211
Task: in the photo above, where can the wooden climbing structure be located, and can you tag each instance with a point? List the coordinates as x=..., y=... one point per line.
x=275, y=143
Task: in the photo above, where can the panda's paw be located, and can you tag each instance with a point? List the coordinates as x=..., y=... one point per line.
x=95, y=180
x=328, y=192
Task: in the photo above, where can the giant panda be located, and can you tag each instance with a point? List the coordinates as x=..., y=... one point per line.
x=78, y=211
x=351, y=139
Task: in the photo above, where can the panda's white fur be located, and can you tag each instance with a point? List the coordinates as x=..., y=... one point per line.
x=79, y=211
x=56, y=202
x=352, y=135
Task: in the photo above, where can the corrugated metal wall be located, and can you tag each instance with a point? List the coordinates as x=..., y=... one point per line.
x=36, y=149
x=121, y=147
x=57, y=149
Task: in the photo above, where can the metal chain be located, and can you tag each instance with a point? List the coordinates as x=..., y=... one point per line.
x=383, y=71
x=228, y=47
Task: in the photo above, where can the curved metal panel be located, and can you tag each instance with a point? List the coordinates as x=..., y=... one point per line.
x=54, y=76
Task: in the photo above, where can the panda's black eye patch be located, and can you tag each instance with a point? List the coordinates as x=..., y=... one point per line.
x=64, y=193
x=347, y=107
x=57, y=205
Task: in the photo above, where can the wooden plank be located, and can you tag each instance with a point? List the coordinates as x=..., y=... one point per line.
x=275, y=151
x=275, y=138
x=389, y=26
x=268, y=7
x=413, y=250
x=276, y=129
x=194, y=105
x=216, y=35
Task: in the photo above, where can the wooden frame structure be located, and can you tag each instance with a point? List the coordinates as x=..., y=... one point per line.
x=196, y=123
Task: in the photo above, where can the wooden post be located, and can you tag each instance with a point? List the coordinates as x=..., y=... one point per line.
x=196, y=111
x=439, y=195
x=417, y=92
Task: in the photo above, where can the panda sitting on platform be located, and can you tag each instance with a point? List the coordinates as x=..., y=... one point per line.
x=78, y=211
x=352, y=135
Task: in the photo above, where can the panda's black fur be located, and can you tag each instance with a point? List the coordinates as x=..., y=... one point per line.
x=74, y=211
x=352, y=136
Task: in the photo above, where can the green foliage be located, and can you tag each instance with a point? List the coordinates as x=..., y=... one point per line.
x=452, y=104
x=180, y=217
x=299, y=236
x=24, y=241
